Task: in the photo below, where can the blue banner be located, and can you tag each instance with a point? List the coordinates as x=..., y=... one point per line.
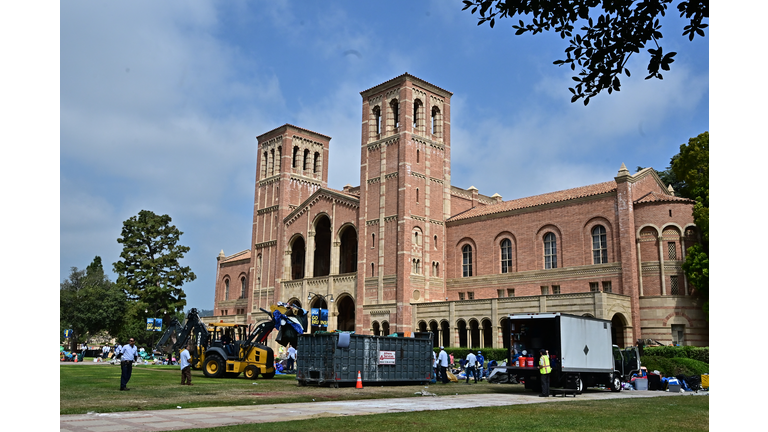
x=319, y=317
x=154, y=324
x=67, y=333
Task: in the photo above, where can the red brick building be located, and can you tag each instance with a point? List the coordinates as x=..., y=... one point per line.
x=407, y=251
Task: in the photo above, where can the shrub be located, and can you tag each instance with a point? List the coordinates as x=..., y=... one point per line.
x=674, y=366
x=697, y=353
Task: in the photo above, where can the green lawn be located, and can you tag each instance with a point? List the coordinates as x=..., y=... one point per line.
x=689, y=413
x=95, y=388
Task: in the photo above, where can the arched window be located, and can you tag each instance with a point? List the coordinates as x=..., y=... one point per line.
x=226, y=289
x=417, y=195
x=373, y=270
x=279, y=160
x=417, y=156
x=506, y=256
x=264, y=163
x=435, y=238
x=466, y=252
x=272, y=162
x=550, y=251
x=599, y=245
x=305, y=165
x=377, y=119
x=242, y=287
x=416, y=114
x=316, y=164
x=395, y=105
x=435, y=118
x=295, y=160
x=373, y=240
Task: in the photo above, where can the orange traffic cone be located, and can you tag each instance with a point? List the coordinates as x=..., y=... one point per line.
x=359, y=381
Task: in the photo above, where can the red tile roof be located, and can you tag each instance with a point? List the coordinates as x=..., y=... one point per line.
x=537, y=200
x=658, y=197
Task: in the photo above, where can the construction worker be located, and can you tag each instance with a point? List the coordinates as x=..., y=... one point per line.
x=545, y=369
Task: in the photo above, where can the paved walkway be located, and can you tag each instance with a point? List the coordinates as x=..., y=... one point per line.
x=168, y=420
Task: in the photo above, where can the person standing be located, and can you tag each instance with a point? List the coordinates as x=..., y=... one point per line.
x=471, y=366
x=130, y=354
x=545, y=369
x=291, y=357
x=118, y=350
x=186, y=367
x=434, y=365
x=442, y=361
x=480, y=364
x=105, y=352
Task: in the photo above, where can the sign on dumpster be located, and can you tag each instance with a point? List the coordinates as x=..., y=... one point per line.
x=386, y=357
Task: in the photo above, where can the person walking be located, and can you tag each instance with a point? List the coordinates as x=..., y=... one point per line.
x=480, y=364
x=442, y=361
x=291, y=357
x=471, y=366
x=186, y=366
x=130, y=354
x=545, y=369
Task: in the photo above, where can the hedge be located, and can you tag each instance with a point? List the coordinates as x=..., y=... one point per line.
x=697, y=353
x=498, y=354
x=674, y=366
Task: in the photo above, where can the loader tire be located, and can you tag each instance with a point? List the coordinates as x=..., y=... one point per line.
x=214, y=367
x=251, y=372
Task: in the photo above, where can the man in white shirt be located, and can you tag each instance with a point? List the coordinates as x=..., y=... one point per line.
x=130, y=354
x=442, y=361
x=105, y=352
x=186, y=366
x=471, y=366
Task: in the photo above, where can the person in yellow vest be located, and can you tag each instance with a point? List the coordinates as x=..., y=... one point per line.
x=545, y=369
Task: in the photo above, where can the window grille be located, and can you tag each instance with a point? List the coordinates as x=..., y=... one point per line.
x=510, y=292
x=674, y=287
x=506, y=256
x=544, y=290
x=599, y=245
x=550, y=251
x=461, y=296
x=467, y=263
x=672, y=250
x=607, y=286
x=594, y=287
x=470, y=295
x=555, y=289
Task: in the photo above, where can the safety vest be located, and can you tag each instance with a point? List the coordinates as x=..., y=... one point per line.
x=544, y=361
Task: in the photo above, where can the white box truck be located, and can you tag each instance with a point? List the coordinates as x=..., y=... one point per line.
x=580, y=350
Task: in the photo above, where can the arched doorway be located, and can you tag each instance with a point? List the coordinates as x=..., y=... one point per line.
x=346, y=318
x=348, y=250
x=462, y=326
x=618, y=330
x=446, y=333
x=385, y=329
x=435, y=333
x=298, y=252
x=322, y=255
x=487, y=334
x=376, y=328
x=474, y=333
x=422, y=326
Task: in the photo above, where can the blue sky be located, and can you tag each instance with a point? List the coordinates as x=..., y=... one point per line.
x=161, y=103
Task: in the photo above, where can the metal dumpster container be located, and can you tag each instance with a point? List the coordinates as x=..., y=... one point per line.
x=335, y=358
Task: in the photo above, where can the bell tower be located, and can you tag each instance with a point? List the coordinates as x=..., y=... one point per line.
x=405, y=187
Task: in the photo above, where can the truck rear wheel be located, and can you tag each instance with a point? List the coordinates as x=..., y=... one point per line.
x=615, y=384
x=213, y=367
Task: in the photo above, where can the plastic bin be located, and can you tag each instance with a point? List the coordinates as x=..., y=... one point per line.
x=673, y=388
x=641, y=383
x=320, y=360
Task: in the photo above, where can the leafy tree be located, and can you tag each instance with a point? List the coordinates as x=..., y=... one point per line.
x=691, y=167
x=610, y=32
x=89, y=302
x=149, y=270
